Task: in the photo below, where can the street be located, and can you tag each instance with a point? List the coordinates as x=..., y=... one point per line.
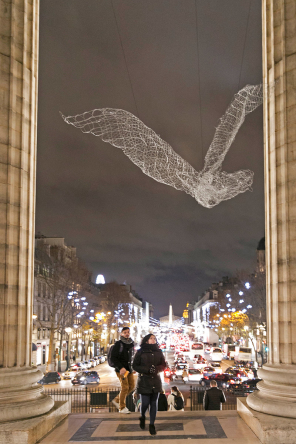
x=108, y=378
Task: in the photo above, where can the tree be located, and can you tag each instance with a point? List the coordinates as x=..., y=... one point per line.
x=234, y=324
x=59, y=273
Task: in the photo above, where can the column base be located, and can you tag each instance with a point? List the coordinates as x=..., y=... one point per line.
x=269, y=429
x=20, y=395
x=29, y=431
x=277, y=391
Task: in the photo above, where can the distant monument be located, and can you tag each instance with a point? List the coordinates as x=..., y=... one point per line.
x=171, y=320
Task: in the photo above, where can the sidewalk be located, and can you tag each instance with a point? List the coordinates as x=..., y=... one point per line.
x=212, y=427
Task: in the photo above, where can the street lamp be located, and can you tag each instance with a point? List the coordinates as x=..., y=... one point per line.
x=68, y=330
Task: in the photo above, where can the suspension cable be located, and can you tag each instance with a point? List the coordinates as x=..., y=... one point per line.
x=244, y=47
x=125, y=60
x=199, y=89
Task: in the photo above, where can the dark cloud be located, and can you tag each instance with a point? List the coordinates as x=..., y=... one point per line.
x=124, y=224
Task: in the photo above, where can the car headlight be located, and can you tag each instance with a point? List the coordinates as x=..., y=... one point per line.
x=82, y=378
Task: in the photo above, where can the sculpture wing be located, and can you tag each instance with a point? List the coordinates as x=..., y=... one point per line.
x=141, y=144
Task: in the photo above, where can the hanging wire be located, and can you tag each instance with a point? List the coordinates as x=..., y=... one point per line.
x=244, y=47
x=125, y=60
x=199, y=89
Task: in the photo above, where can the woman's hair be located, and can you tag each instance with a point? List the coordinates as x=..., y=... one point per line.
x=146, y=338
x=175, y=389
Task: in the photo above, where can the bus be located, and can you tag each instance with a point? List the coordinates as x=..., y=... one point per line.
x=244, y=354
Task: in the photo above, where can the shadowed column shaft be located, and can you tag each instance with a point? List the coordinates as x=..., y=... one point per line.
x=277, y=393
x=18, y=107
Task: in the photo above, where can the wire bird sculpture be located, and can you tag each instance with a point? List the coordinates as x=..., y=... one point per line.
x=157, y=159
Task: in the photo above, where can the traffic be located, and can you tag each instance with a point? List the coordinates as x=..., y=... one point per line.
x=188, y=362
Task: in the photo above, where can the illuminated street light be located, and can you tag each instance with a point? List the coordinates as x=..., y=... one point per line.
x=34, y=316
x=247, y=285
x=241, y=301
x=240, y=293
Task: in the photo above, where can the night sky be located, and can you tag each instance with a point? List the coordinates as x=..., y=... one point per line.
x=177, y=72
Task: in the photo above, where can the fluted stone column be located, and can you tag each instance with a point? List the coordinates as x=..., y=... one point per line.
x=277, y=391
x=20, y=396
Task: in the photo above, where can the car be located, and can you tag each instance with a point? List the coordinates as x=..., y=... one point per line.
x=238, y=372
x=247, y=386
x=169, y=373
x=86, y=377
x=87, y=364
x=217, y=367
x=208, y=371
x=216, y=354
x=223, y=380
x=69, y=374
x=50, y=377
x=180, y=368
x=194, y=374
x=77, y=365
x=93, y=362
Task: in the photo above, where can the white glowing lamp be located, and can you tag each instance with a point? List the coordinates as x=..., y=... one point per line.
x=100, y=279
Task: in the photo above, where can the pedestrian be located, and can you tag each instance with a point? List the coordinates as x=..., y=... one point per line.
x=255, y=369
x=162, y=402
x=121, y=357
x=149, y=362
x=137, y=401
x=175, y=399
x=74, y=358
x=213, y=397
x=185, y=375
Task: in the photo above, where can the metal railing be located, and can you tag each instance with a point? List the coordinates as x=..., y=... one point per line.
x=87, y=399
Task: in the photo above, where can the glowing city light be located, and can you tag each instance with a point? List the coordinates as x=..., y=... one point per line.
x=241, y=301
x=228, y=295
x=228, y=305
x=100, y=279
x=247, y=285
x=249, y=306
x=240, y=293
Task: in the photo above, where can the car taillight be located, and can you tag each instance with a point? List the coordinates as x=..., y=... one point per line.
x=238, y=375
x=206, y=377
x=231, y=381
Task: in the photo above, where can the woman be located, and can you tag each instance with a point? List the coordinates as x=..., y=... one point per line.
x=149, y=362
x=172, y=399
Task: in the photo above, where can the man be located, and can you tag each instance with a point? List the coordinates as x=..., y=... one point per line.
x=121, y=356
x=213, y=397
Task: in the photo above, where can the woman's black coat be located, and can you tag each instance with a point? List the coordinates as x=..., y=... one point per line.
x=147, y=356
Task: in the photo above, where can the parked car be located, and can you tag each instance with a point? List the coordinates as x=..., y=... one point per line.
x=87, y=364
x=194, y=374
x=50, y=377
x=223, y=380
x=77, y=365
x=93, y=362
x=86, y=377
